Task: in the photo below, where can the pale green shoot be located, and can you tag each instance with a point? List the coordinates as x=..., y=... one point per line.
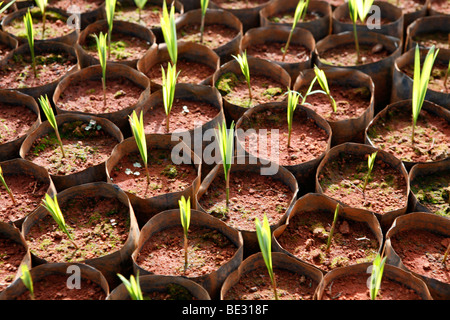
x=300, y=12
x=137, y=127
x=48, y=111
x=101, y=41
x=6, y=6
x=140, y=4
x=169, y=82
x=377, y=275
x=358, y=9
x=323, y=82
x=333, y=226
x=292, y=102
x=110, y=7
x=370, y=163
x=185, y=217
x=133, y=286
x=168, y=28
x=225, y=140
x=42, y=4
x=27, y=279
x=420, y=83
x=3, y=181
x=243, y=64
x=204, y=7
x=28, y=21
x=265, y=239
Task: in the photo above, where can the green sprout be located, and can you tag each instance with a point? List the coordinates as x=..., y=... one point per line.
x=243, y=64
x=169, y=82
x=420, y=83
x=204, y=7
x=321, y=77
x=377, y=275
x=27, y=279
x=6, y=6
x=300, y=12
x=333, y=226
x=370, y=163
x=264, y=239
x=102, y=56
x=292, y=102
x=140, y=4
x=52, y=206
x=358, y=8
x=444, y=259
x=226, y=146
x=110, y=6
x=48, y=111
x=133, y=287
x=137, y=126
x=168, y=28
x=42, y=4
x=185, y=217
x=28, y=21
x=3, y=181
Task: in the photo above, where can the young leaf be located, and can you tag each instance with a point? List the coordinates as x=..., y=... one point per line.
x=110, y=7
x=27, y=279
x=225, y=140
x=353, y=12
x=264, y=236
x=28, y=21
x=133, y=286
x=101, y=41
x=185, y=217
x=168, y=28
x=292, y=102
x=48, y=111
x=42, y=4
x=323, y=82
x=377, y=275
x=3, y=181
x=169, y=82
x=204, y=7
x=6, y=6
x=140, y=4
x=243, y=64
x=300, y=12
x=333, y=226
x=370, y=163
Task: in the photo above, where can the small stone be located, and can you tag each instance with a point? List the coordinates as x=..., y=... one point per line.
x=426, y=266
x=377, y=48
x=344, y=228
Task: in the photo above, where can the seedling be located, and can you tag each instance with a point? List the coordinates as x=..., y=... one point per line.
x=300, y=12
x=444, y=259
x=101, y=41
x=110, y=7
x=322, y=79
x=185, y=217
x=28, y=21
x=52, y=206
x=48, y=111
x=420, y=83
x=140, y=4
x=168, y=28
x=137, y=126
x=42, y=4
x=6, y=6
x=333, y=226
x=292, y=102
x=377, y=275
x=169, y=82
x=226, y=146
x=204, y=7
x=358, y=8
x=8, y=190
x=243, y=64
x=264, y=239
x=27, y=279
x=133, y=286
x=370, y=163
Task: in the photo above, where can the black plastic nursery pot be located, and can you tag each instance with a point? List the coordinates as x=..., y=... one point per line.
x=343, y=170
x=201, y=225
x=422, y=259
x=20, y=115
x=87, y=137
x=403, y=74
x=351, y=223
x=130, y=41
x=183, y=163
x=319, y=16
x=81, y=278
x=96, y=214
x=390, y=20
x=169, y=287
x=295, y=279
x=380, y=70
x=8, y=45
x=188, y=29
x=269, y=42
x=428, y=31
x=18, y=172
x=357, y=89
x=412, y=10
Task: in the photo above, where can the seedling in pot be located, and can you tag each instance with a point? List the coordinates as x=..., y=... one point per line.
x=420, y=83
x=376, y=276
x=321, y=77
x=300, y=12
x=27, y=279
x=204, y=7
x=110, y=7
x=8, y=190
x=264, y=236
x=28, y=21
x=169, y=82
x=245, y=69
x=292, y=102
x=358, y=8
x=185, y=217
x=225, y=140
x=102, y=56
x=42, y=4
x=48, y=111
x=333, y=226
x=370, y=163
x=52, y=206
x=133, y=286
x=137, y=127
x=140, y=4
x=168, y=28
